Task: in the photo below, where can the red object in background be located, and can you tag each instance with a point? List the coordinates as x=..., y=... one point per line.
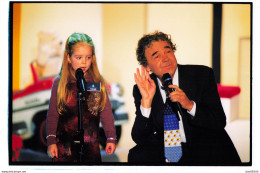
x=108, y=87
x=16, y=147
x=228, y=91
x=36, y=86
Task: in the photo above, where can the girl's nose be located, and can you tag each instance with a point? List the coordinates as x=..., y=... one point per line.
x=83, y=60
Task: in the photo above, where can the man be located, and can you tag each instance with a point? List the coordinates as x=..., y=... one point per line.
x=203, y=140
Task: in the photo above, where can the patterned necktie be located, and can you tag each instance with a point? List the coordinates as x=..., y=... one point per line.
x=172, y=140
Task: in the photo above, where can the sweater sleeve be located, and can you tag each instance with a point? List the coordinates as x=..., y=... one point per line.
x=52, y=115
x=107, y=121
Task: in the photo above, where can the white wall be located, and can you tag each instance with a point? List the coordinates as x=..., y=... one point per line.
x=124, y=24
x=236, y=26
x=190, y=26
x=63, y=18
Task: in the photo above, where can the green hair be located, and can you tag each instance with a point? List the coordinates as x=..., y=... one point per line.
x=72, y=40
x=78, y=38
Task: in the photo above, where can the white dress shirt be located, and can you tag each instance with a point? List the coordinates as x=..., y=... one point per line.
x=146, y=111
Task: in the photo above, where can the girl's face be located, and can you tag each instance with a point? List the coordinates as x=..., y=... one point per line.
x=81, y=57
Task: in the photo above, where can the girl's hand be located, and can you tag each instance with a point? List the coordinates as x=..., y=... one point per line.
x=110, y=148
x=146, y=86
x=52, y=151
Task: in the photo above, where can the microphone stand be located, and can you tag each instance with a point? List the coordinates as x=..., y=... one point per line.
x=81, y=96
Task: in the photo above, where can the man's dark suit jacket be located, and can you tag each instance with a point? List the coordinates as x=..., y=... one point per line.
x=207, y=141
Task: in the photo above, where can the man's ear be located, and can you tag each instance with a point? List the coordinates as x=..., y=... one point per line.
x=147, y=68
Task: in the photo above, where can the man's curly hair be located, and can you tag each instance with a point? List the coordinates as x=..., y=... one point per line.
x=146, y=41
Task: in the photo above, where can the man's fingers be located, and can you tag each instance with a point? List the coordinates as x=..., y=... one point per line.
x=147, y=75
x=151, y=81
x=175, y=87
x=137, y=76
x=143, y=73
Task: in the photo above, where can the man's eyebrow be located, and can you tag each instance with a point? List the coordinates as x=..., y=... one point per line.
x=154, y=53
x=166, y=47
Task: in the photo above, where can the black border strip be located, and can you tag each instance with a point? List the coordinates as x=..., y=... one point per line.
x=10, y=82
x=216, y=40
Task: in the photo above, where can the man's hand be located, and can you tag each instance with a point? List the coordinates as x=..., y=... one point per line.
x=110, y=148
x=146, y=86
x=179, y=96
x=52, y=151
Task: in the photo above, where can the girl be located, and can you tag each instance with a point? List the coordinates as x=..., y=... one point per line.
x=62, y=117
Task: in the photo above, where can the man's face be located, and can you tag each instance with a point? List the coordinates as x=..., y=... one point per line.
x=160, y=58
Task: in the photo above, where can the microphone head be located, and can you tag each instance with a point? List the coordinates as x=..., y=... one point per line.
x=80, y=80
x=79, y=73
x=167, y=79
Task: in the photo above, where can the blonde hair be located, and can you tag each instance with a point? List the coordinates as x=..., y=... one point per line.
x=66, y=72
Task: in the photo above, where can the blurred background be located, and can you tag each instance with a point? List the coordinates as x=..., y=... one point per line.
x=41, y=29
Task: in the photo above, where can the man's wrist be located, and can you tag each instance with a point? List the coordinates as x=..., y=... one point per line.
x=190, y=106
x=146, y=103
x=145, y=111
x=193, y=110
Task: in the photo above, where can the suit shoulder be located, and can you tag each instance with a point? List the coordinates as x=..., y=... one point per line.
x=195, y=68
x=136, y=92
x=135, y=88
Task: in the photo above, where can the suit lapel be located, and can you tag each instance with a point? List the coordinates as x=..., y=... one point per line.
x=157, y=105
x=182, y=86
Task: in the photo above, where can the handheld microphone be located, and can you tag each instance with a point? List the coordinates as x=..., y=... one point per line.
x=167, y=80
x=80, y=80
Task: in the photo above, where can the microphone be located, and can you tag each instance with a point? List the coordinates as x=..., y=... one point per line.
x=167, y=80
x=80, y=80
